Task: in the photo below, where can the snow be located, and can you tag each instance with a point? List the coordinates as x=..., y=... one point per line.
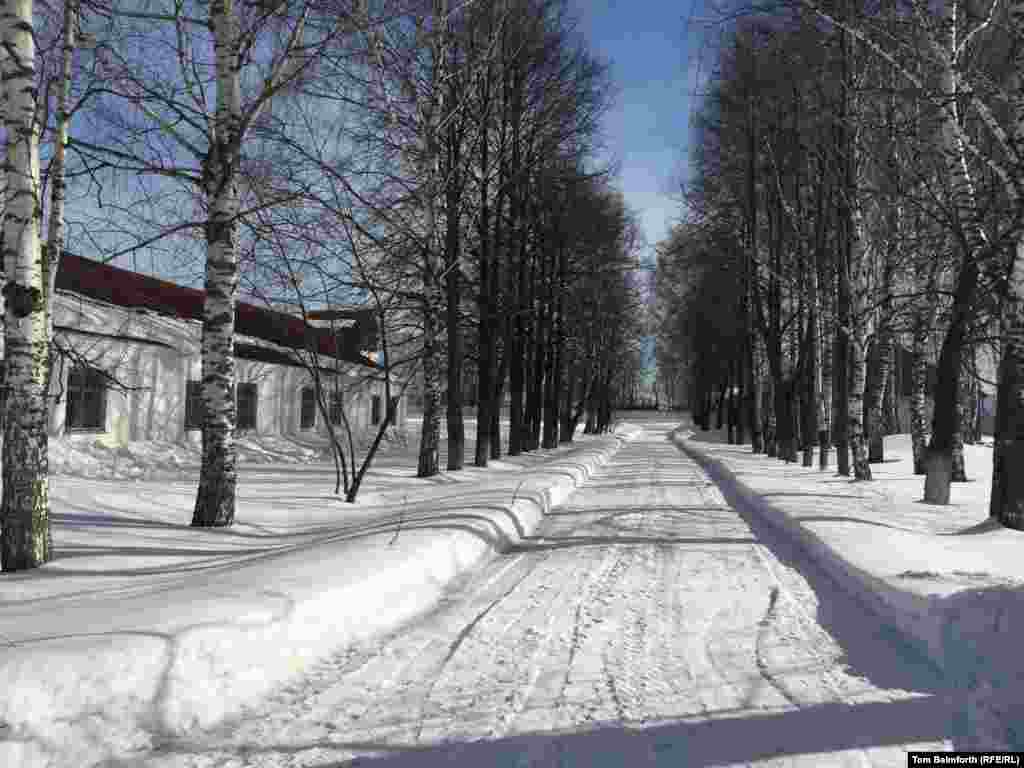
x=459, y=616
x=142, y=626
x=948, y=577
x=645, y=622
x=99, y=457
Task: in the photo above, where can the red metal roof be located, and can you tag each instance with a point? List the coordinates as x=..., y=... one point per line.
x=125, y=288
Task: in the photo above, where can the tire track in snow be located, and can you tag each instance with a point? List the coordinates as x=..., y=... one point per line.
x=613, y=690
x=625, y=664
x=634, y=667
x=460, y=612
x=762, y=665
x=684, y=662
x=523, y=601
x=546, y=645
x=516, y=649
x=596, y=582
x=595, y=624
x=457, y=643
x=520, y=695
x=631, y=661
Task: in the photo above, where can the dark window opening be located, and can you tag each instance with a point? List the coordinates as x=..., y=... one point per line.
x=393, y=410
x=375, y=410
x=194, y=411
x=307, y=416
x=87, y=399
x=245, y=403
x=336, y=406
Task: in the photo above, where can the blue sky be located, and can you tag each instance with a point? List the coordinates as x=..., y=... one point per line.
x=648, y=129
x=654, y=48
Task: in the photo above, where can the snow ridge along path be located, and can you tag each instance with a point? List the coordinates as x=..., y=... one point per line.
x=95, y=676
x=644, y=622
x=946, y=578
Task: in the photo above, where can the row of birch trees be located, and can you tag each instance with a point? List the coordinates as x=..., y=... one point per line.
x=432, y=159
x=855, y=216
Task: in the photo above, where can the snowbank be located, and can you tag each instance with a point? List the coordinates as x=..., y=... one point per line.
x=951, y=581
x=124, y=667
x=98, y=457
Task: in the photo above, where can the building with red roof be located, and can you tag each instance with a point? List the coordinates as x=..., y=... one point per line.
x=129, y=361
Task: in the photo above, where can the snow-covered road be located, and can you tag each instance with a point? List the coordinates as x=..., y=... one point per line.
x=647, y=623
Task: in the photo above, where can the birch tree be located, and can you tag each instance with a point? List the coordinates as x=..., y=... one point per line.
x=60, y=83
x=57, y=176
x=25, y=538
x=215, y=498
x=186, y=120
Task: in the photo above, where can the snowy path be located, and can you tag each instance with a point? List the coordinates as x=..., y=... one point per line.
x=647, y=623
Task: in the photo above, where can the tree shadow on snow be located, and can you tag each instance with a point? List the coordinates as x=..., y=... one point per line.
x=817, y=729
x=985, y=526
x=850, y=519
x=540, y=543
x=597, y=509
x=813, y=495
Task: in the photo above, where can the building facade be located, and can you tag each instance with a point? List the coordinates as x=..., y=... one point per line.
x=128, y=363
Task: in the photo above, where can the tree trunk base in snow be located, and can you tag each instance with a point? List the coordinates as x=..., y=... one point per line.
x=919, y=461
x=939, y=468
x=215, y=508
x=1007, y=501
x=218, y=480
x=959, y=473
x=756, y=443
x=876, y=450
x=843, y=459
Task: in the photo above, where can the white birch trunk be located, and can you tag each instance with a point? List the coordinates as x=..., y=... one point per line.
x=25, y=541
x=941, y=447
x=431, y=114
x=858, y=342
x=215, y=497
x=58, y=182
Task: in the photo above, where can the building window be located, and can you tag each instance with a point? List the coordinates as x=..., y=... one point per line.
x=194, y=411
x=375, y=410
x=393, y=410
x=87, y=399
x=307, y=416
x=245, y=404
x=336, y=406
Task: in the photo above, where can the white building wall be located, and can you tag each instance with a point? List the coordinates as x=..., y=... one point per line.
x=156, y=356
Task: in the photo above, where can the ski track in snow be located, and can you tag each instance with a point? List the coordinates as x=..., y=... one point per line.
x=644, y=601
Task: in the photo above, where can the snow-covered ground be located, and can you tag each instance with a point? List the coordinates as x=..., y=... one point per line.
x=644, y=623
x=142, y=626
x=949, y=578
x=655, y=618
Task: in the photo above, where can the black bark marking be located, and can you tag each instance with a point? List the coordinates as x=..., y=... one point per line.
x=23, y=300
